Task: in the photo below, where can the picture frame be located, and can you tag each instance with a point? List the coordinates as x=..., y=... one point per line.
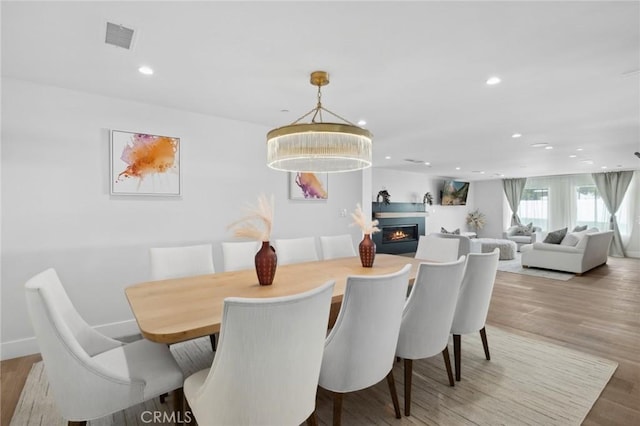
x=144, y=164
x=306, y=186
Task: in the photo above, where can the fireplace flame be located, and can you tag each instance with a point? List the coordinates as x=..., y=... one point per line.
x=398, y=235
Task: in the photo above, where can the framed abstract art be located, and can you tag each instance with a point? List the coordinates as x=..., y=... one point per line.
x=144, y=164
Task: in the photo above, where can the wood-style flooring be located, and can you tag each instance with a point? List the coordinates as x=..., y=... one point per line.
x=597, y=313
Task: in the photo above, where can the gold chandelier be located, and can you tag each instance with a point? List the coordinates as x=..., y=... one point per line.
x=318, y=146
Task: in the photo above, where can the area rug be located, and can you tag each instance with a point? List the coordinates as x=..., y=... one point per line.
x=527, y=382
x=515, y=266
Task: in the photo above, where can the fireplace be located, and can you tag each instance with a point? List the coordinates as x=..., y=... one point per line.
x=399, y=233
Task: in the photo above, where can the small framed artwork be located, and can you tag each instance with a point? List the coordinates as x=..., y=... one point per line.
x=308, y=186
x=144, y=164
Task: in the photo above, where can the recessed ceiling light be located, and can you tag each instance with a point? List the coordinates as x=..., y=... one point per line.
x=548, y=147
x=478, y=171
x=387, y=158
x=457, y=168
x=587, y=161
x=516, y=135
x=579, y=149
x=572, y=156
x=539, y=144
x=603, y=167
x=426, y=163
x=362, y=123
x=145, y=70
x=493, y=81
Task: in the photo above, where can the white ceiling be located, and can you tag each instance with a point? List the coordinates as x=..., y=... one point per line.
x=415, y=71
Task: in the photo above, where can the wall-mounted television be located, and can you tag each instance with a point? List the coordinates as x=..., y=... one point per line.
x=454, y=193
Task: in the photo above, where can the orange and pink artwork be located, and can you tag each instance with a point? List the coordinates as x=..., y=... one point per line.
x=308, y=186
x=143, y=164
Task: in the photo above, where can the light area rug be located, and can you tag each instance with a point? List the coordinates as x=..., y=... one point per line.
x=515, y=266
x=527, y=382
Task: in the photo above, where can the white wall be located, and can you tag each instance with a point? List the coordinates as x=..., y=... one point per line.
x=489, y=198
x=57, y=211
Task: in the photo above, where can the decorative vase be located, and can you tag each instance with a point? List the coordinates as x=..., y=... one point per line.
x=266, y=263
x=367, y=250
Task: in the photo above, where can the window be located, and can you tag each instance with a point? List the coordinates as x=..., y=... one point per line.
x=534, y=207
x=592, y=211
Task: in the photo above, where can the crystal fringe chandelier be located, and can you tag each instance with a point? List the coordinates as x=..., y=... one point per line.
x=318, y=146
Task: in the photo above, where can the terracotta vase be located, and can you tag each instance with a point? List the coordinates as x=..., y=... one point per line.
x=266, y=263
x=367, y=250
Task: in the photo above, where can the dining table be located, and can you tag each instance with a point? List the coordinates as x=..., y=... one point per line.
x=179, y=309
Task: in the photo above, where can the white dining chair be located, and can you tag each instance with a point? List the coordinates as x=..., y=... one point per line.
x=238, y=256
x=91, y=375
x=177, y=262
x=427, y=318
x=296, y=250
x=473, y=303
x=436, y=249
x=360, y=349
x=337, y=246
x=267, y=365
x=183, y=261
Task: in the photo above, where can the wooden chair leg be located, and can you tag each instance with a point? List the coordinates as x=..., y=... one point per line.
x=178, y=405
x=394, y=395
x=312, y=420
x=456, y=354
x=447, y=364
x=72, y=423
x=212, y=338
x=337, y=408
x=485, y=344
x=408, y=374
x=163, y=398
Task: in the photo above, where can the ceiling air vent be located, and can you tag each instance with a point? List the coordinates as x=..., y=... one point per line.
x=118, y=35
x=411, y=160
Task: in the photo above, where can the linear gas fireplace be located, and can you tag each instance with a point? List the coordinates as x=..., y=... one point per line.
x=399, y=233
x=400, y=225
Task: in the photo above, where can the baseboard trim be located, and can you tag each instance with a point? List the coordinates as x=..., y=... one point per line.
x=29, y=345
x=635, y=254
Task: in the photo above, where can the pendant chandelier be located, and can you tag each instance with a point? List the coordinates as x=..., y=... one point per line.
x=319, y=146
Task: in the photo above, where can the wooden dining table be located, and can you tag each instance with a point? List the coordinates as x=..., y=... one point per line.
x=180, y=309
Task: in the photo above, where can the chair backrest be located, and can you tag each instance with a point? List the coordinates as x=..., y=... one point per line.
x=67, y=344
x=464, y=242
x=176, y=262
x=239, y=255
x=437, y=249
x=268, y=360
x=475, y=292
x=428, y=313
x=337, y=246
x=296, y=250
x=360, y=349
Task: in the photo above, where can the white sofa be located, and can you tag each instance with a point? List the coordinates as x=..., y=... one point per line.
x=591, y=250
x=520, y=239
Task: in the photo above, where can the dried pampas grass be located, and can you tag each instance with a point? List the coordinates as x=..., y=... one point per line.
x=257, y=224
x=367, y=226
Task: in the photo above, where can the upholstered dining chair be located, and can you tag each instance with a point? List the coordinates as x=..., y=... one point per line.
x=296, y=250
x=184, y=261
x=427, y=317
x=360, y=349
x=239, y=255
x=436, y=249
x=91, y=375
x=473, y=303
x=337, y=246
x=267, y=365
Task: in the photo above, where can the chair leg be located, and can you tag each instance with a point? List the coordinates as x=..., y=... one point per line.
x=408, y=374
x=456, y=354
x=447, y=364
x=485, y=344
x=163, y=398
x=212, y=338
x=312, y=420
x=178, y=405
x=337, y=408
x=72, y=423
x=394, y=395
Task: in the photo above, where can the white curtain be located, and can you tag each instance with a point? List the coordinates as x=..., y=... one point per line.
x=613, y=187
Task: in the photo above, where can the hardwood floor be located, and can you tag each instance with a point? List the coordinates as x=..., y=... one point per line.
x=597, y=313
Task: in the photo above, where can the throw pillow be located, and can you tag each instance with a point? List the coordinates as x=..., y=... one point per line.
x=579, y=228
x=555, y=237
x=524, y=230
x=573, y=238
x=444, y=231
